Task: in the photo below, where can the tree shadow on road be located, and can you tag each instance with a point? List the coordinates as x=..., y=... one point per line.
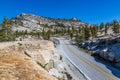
x=115, y=71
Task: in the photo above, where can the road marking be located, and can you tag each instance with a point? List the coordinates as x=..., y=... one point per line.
x=92, y=66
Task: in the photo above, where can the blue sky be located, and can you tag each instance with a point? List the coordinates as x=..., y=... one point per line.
x=90, y=11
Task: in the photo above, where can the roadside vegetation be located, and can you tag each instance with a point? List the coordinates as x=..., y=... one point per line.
x=6, y=33
x=79, y=34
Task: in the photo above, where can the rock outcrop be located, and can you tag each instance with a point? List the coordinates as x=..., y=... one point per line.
x=31, y=60
x=107, y=48
x=26, y=60
x=32, y=22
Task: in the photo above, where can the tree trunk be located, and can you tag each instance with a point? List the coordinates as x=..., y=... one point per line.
x=6, y=34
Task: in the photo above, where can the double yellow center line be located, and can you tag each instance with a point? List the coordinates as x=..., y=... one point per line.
x=92, y=66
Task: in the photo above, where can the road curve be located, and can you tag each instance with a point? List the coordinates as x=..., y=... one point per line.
x=94, y=69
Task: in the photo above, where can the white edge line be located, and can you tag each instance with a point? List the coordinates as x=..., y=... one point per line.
x=76, y=65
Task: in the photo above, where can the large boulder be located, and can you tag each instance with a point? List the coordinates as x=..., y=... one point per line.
x=25, y=60
x=21, y=67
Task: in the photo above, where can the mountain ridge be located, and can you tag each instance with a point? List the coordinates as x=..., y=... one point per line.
x=33, y=22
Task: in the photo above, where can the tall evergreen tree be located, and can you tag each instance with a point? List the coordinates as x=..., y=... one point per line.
x=6, y=26
x=68, y=31
x=71, y=35
x=115, y=26
x=82, y=36
x=48, y=34
x=102, y=26
x=106, y=28
x=86, y=32
x=73, y=29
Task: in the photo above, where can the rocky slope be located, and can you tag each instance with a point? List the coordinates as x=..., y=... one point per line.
x=107, y=48
x=32, y=22
x=31, y=60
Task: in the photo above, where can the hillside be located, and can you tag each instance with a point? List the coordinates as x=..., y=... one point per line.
x=15, y=64
x=32, y=60
x=32, y=22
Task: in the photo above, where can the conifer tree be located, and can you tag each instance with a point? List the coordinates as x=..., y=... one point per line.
x=102, y=26
x=86, y=32
x=106, y=28
x=115, y=26
x=71, y=35
x=6, y=26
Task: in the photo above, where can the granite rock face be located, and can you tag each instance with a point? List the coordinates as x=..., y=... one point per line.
x=32, y=22
x=25, y=60
x=31, y=60
x=108, y=49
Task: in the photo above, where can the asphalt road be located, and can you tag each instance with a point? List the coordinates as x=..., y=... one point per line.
x=92, y=68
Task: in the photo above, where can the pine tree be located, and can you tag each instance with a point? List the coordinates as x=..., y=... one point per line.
x=94, y=31
x=79, y=29
x=43, y=33
x=68, y=31
x=6, y=26
x=71, y=35
x=106, y=28
x=73, y=29
x=82, y=34
x=115, y=26
x=102, y=26
x=48, y=34
x=77, y=37
x=86, y=32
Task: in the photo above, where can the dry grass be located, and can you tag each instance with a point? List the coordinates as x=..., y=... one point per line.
x=14, y=65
